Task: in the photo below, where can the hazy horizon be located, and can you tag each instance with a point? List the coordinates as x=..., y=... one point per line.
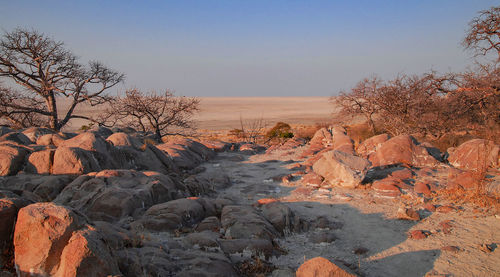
x=257, y=48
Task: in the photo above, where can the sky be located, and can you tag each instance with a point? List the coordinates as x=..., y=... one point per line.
x=258, y=48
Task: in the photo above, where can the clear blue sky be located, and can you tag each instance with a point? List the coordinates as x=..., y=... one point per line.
x=255, y=48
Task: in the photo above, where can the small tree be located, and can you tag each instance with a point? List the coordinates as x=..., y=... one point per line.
x=164, y=114
x=43, y=70
x=483, y=35
x=361, y=100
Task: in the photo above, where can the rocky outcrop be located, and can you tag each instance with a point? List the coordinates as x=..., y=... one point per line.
x=34, y=133
x=282, y=218
x=50, y=139
x=342, y=169
x=15, y=137
x=41, y=162
x=186, y=153
x=244, y=222
x=74, y=160
x=44, y=188
x=476, y=155
x=110, y=195
x=11, y=158
x=176, y=214
x=54, y=240
x=370, y=145
x=402, y=149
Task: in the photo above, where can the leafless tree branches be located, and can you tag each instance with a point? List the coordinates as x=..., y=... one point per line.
x=163, y=114
x=483, y=35
x=43, y=70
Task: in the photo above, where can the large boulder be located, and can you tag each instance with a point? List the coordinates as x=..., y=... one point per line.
x=244, y=222
x=94, y=144
x=340, y=168
x=11, y=158
x=176, y=214
x=370, y=145
x=145, y=157
x=123, y=139
x=45, y=188
x=282, y=217
x=341, y=141
x=402, y=149
x=476, y=155
x=319, y=267
x=207, y=182
x=322, y=138
x=50, y=139
x=9, y=208
x=34, y=133
x=16, y=137
x=110, y=195
x=54, y=240
x=182, y=156
x=41, y=162
x=74, y=160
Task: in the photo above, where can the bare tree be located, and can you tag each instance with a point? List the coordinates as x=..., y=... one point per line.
x=43, y=70
x=361, y=100
x=164, y=114
x=18, y=113
x=484, y=32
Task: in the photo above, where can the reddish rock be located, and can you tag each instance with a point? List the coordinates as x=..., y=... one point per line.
x=8, y=214
x=446, y=226
x=72, y=160
x=450, y=248
x=371, y=145
x=476, y=155
x=402, y=174
x=322, y=138
x=11, y=158
x=465, y=179
x=341, y=141
x=418, y=234
x=50, y=139
x=445, y=209
x=408, y=214
x=216, y=145
x=40, y=162
x=34, y=133
x=341, y=169
x=123, y=139
x=312, y=179
x=422, y=187
x=304, y=191
x=387, y=187
x=402, y=150
x=429, y=207
x=264, y=201
x=319, y=267
x=86, y=255
x=53, y=240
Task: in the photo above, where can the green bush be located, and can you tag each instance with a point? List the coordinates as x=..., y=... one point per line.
x=281, y=130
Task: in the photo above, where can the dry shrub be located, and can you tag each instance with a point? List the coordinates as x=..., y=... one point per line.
x=359, y=132
x=255, y=267
x=307, y=131
x=451, y=140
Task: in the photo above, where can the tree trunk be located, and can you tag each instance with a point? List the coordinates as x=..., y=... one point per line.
x=51, y=105
x=158, y=134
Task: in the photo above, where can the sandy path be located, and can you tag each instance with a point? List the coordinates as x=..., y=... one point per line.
x=367, y=222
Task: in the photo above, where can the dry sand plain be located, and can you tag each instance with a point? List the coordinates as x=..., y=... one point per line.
x=224, y=113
